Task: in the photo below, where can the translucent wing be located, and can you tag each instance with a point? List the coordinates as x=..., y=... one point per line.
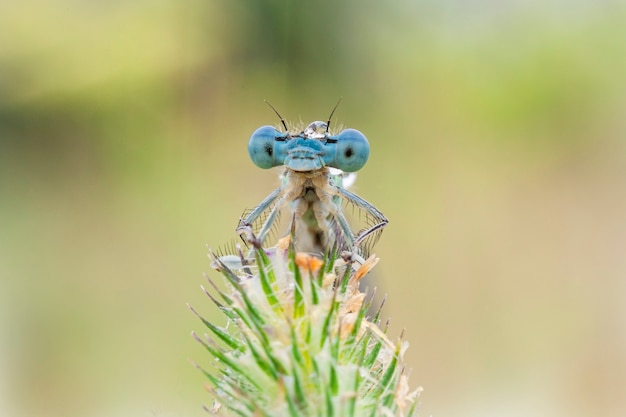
x=366, y=221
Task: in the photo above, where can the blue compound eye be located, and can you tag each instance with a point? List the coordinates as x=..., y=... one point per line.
x=351, y=151
x=262, y=147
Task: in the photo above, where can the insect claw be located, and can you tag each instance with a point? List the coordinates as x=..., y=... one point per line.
x=348, y=256
x=247, y=235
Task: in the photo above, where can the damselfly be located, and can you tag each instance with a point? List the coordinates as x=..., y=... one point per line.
x=317, y=167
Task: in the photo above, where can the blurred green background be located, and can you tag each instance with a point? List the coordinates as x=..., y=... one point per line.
x=498, y=136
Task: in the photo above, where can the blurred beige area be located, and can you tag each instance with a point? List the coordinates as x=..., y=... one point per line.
x=498, y=137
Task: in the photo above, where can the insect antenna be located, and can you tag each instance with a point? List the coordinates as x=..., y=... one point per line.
x=331, y=114
x=279, y=116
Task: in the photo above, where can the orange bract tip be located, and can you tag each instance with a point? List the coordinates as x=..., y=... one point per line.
x=365, y=268
x=309, y=262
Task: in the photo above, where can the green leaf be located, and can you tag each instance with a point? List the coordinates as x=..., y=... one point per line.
x=295, y=348
x=373, y=354
x=266, y=366
x=298, y=388
x=268, y=279
x=298, y=299
x=221, y=334
x=291, y=406
x=226, y=360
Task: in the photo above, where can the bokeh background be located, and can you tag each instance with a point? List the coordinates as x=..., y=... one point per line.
x=498, y=134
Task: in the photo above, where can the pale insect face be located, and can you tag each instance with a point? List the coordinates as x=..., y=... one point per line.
x=317, y=170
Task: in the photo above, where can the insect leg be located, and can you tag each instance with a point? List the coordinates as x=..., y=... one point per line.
x=377, y=220
x=273, y=201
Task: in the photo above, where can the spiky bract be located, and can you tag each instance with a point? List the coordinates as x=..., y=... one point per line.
x=298, y=341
